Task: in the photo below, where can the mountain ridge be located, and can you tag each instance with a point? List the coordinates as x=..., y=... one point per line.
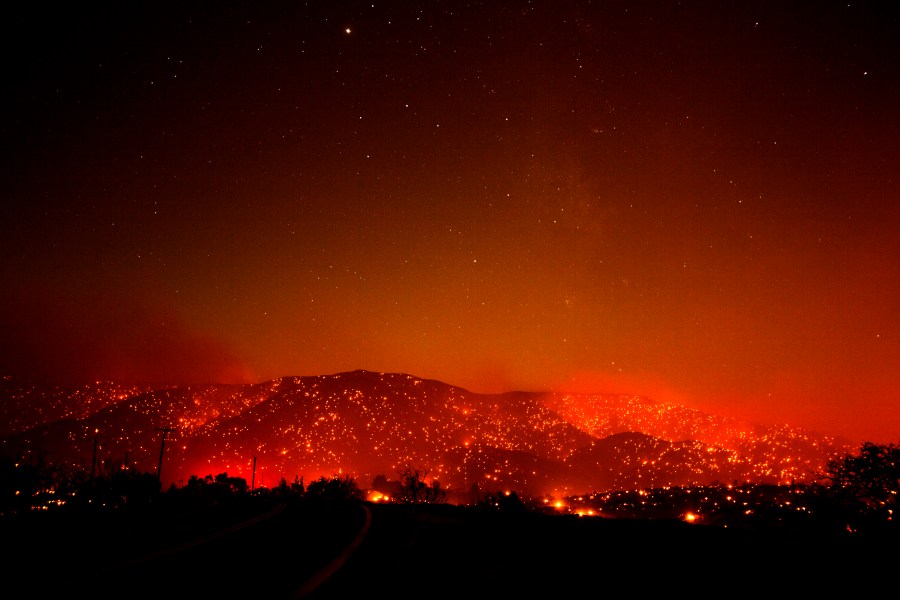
x=364, y=423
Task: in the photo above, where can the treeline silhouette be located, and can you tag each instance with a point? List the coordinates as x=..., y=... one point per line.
x=855, y=494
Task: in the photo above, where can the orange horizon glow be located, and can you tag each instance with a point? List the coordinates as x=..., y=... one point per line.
x=567, y=197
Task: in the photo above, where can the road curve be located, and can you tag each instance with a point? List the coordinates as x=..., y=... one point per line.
x=275, y=551
x=338, y=550
x=331, y=568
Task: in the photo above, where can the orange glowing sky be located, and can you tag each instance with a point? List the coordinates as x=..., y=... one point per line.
x=695, y=201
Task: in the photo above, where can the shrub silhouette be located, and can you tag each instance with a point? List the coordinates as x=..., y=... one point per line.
x=337, y=488
x=414, y=490
x=864, y=487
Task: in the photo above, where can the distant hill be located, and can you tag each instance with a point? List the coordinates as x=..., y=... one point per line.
x=363, y=424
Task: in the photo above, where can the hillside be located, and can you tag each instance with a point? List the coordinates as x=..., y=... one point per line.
x=364, y=424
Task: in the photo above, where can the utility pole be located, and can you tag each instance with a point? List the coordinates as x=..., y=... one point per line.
x=94, y=459
x=162, y=448
x=253, y=476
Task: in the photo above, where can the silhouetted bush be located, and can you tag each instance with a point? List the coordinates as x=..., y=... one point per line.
x=286, y=491
x=864, y=487
x=337, y=488
x=414, y=490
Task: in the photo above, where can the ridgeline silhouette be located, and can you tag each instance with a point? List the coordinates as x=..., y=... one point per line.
x=363, y=424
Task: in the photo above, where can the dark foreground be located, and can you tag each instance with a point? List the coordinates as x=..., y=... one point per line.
x=344, y=550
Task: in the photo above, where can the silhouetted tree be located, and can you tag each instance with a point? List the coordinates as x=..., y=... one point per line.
x=30, y=481
x=117, y=487
x=866, y=485
x=236, y=485
x=414, y=490
x=209, y=492
x=282, y=489
x=337, y=488
x=293, y=490
x=475, y=494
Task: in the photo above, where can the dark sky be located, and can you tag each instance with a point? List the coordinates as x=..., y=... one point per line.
x=694, y=201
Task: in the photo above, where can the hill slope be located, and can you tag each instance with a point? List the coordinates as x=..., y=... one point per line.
x=364, y=424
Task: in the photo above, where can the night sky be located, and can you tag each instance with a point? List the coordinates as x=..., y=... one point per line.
x=694, y=201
